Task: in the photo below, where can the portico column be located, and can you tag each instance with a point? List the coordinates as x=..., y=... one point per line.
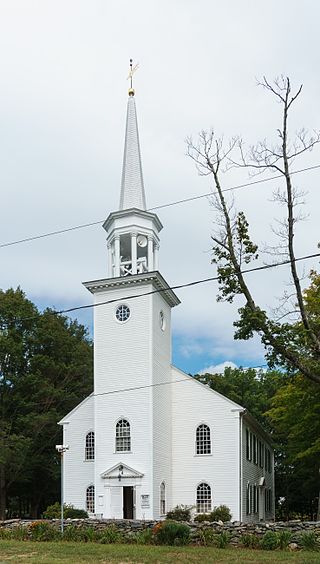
x=150, y=253
x=117, y=256
x=156, y=257
x=134, y=252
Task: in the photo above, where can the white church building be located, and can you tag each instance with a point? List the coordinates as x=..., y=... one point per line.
x=150, y=437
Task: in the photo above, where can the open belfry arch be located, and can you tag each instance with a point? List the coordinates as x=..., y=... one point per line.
x=150, y=437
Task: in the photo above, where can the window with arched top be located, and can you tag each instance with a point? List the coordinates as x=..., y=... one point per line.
x=203, y=503
x=162, y=498
x=123, y=438
x=89, y=449
x=203, y=439
x=90, y=499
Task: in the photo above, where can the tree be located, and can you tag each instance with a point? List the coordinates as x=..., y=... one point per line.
x=45, y=370
x=294, y=416
x=248, y=387
x=292, y=343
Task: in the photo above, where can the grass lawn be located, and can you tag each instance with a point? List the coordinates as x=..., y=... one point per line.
x=74, y=553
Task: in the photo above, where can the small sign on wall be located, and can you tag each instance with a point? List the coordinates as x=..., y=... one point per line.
x=145, y=500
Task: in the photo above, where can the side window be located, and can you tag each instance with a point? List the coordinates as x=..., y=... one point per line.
x=90, y=499
x=89, y=449
x=123, y=437
x=203, y=440
x=203, y=504
x=162, y=498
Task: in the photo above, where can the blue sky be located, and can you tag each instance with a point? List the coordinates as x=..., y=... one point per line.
x=63, y=94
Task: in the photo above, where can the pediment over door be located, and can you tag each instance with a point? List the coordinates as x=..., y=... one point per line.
x=121, y=471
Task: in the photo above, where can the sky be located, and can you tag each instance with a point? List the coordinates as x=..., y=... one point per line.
x=63, y=95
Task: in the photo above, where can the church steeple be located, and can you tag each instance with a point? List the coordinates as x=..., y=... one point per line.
x=132, y=240
x=132, y=189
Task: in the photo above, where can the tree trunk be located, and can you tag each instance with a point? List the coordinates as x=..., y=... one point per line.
x=3, y=494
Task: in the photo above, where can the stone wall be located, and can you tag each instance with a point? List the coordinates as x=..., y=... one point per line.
x=236, y=530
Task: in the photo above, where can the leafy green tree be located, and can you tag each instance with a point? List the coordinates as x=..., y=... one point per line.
x=293, y=345
x=45, y=370
x=295, y=417
x=252, y=389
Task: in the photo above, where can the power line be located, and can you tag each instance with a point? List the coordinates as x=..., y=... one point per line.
x=189, y=379
x=162, y=206
x=176, y=287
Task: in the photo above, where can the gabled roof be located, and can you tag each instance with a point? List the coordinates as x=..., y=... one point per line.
x=64, y=420
x=250, y=420
x=122, y=470
x=233, y=404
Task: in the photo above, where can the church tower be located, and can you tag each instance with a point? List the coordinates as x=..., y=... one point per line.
x=132, y=354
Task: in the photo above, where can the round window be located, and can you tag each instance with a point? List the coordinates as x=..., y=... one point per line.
x=122, y=313
x=162, y=320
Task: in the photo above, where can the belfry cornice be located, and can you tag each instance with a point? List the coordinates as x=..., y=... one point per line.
x=132, y=212
x=138, y=280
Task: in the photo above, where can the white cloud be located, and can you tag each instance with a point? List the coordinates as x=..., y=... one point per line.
x=218, y=368
x=62, y=113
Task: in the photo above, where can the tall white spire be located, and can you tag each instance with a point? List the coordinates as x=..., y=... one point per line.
x=133, y=232
x=132, y=189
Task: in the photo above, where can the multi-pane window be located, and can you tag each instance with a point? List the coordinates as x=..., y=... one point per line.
x=255, y=499
x=90, y=499
x=261, y=454
x=123, y=439
x=89, y=450
x=255, y=450
x=268, y=461
x=162, y=498
x=268, y=499
x=248, y=500
x=203, y=440
x=203, y=504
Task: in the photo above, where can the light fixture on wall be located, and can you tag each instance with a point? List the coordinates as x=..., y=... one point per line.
x=120, y=472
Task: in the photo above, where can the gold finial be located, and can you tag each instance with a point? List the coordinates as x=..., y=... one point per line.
x=130, y=75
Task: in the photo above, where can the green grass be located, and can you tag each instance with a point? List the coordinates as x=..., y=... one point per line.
x=12, y=552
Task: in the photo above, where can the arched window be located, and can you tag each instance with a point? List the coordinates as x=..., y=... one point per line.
x=89, y=450
x=90, y=499
x=162, y=498
x=203, y=504
x=203, y=440
x=123, y=439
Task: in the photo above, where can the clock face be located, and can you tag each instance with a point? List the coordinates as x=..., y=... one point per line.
x=142, y=241
x=122, y=313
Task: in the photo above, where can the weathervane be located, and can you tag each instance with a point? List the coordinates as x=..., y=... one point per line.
x=130, y=75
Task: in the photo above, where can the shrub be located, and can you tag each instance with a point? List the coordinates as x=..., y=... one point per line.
x=111, y=535
x=69, y=512
x=5, y=534
x=202, y=517
x=172, y=533
x=250, y=541
x=269, y=541
x=309, y=540
x=143, y=537
x=72, y=533
x=284, y=538
x=180, y=513
x=222, y=539
x=207, y=536
x=221, y=513
x=41, y=531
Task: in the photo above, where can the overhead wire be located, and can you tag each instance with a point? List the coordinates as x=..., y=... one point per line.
x=155, y=208
x=170, y=288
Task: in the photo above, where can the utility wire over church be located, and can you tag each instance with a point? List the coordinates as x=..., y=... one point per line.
x=139, y=453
